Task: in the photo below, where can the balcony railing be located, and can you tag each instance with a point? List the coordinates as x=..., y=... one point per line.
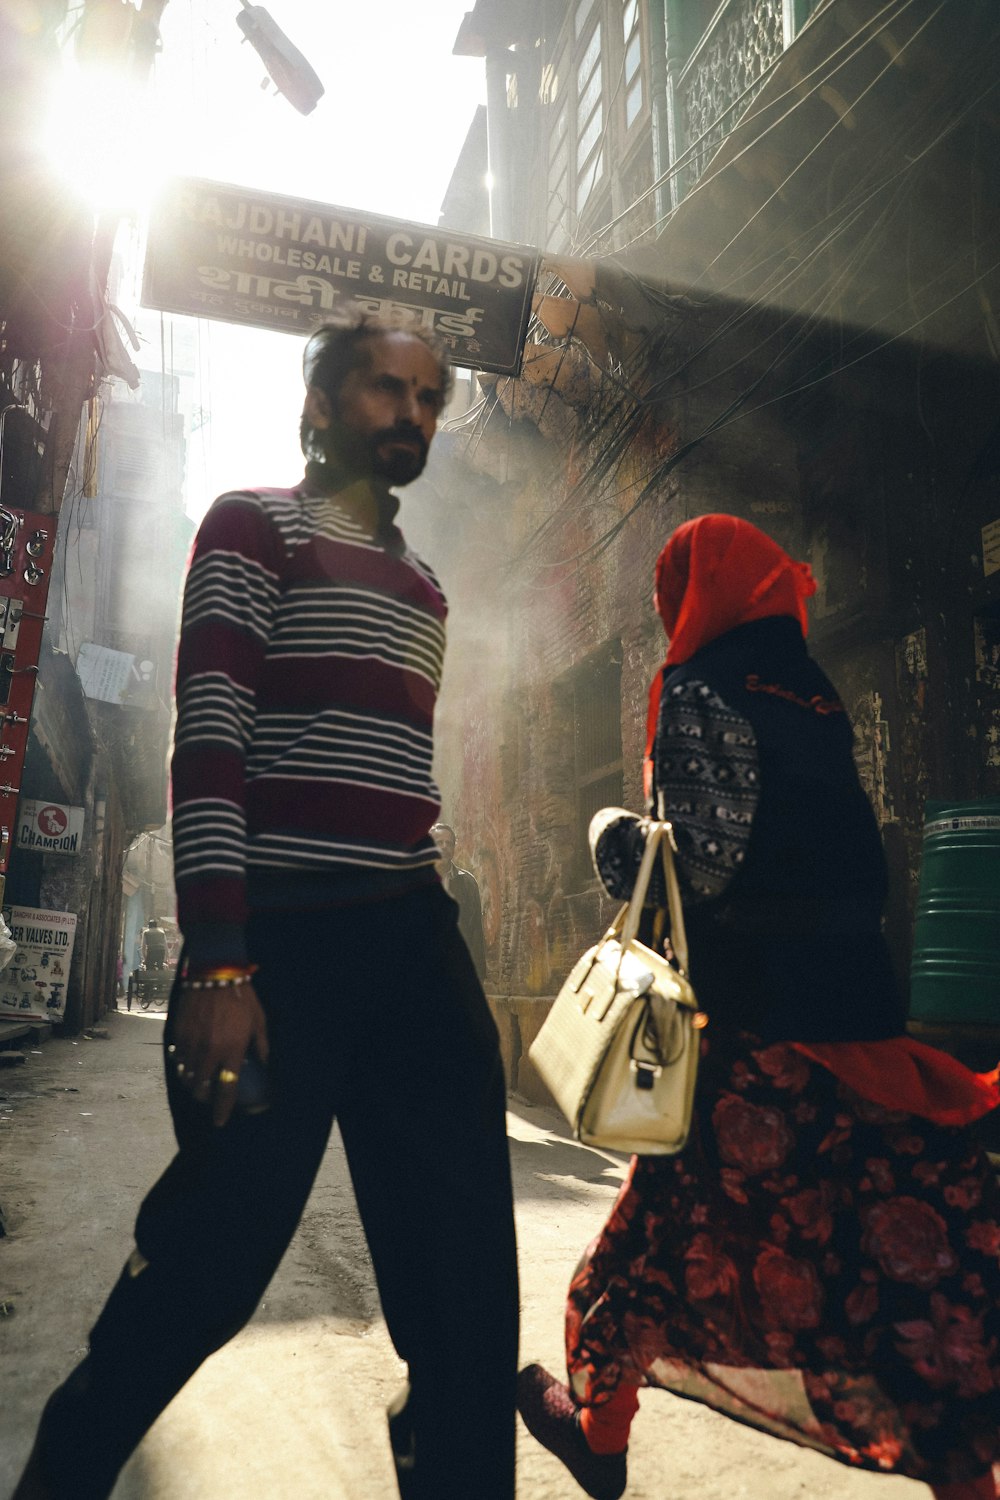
x=721, y=77
x=724, y=72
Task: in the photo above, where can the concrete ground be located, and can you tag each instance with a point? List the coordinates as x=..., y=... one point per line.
x=294, y=1408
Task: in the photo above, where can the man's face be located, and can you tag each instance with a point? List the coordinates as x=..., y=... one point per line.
x=445, y=841
x=385, y=413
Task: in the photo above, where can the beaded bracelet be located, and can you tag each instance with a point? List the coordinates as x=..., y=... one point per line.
x=221, y=978
x=215, y=984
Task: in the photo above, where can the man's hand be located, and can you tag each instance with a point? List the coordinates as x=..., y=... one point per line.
x=215, y=1030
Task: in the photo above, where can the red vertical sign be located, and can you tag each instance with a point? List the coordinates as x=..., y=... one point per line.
x=27, y=542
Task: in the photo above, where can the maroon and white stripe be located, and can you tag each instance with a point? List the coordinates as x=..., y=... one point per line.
x=308, y=670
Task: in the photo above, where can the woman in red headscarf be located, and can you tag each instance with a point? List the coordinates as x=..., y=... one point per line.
x=823, y=1259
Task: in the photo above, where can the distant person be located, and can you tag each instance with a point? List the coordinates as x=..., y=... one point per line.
x=463, y=887
x=154, y=945
x=310, y=656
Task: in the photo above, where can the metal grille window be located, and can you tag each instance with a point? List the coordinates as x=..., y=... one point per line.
x=730, y=46
x=597, y=744
x=595, y=90
x=581, y=16
x=632, y=37
x=559, y=177
x=589, y=117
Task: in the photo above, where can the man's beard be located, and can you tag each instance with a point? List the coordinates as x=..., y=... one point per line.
x=375, y=453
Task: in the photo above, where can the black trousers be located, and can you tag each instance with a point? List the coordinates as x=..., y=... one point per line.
x=396, y=1043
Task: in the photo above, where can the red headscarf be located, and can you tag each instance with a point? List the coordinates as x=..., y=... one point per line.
x=715, y=573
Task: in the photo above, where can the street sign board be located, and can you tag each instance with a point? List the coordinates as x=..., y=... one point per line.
x=33, y=984
x=49, y=827
x=104, y=673
x=27, y=541
x=219, y=251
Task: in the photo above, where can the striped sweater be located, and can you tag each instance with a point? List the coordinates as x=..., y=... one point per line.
x=309, y=663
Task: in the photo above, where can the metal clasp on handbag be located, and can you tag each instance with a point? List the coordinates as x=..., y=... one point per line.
x=646, y=1073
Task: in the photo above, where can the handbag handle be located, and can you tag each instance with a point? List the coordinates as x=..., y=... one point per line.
x=659, y=840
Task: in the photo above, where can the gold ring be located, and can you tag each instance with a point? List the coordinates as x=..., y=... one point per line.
x=226, y=1075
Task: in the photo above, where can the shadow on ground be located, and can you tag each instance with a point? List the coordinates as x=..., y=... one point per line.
x=547, y=1162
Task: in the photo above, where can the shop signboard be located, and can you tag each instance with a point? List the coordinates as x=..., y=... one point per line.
x=49, y=827
x=27, y=539
x=219, y=251
x=33, y=984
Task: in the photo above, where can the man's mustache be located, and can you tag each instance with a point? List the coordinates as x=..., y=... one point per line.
x=402, y=433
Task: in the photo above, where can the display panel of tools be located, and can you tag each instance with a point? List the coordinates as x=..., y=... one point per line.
x=27, y=541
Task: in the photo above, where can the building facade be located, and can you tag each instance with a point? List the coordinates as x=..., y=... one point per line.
x=768, y=288
x=90, y=464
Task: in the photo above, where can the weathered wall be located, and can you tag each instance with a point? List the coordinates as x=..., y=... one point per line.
x=897, y=486
x=867, y=477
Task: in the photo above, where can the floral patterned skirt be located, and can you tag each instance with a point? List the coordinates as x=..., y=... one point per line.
x=814, y=1264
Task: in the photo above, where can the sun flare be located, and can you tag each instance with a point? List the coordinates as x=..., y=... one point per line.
x=107, y=140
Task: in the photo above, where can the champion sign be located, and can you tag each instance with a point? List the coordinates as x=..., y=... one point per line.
x=49, y=827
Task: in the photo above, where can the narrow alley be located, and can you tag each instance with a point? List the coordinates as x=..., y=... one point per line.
x=293, y=1408
x=464, y=466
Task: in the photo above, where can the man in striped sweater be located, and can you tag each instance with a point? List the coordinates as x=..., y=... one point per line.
x=324, y=976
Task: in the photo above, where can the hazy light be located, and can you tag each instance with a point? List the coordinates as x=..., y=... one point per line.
x=104, y=137
x=490, y=181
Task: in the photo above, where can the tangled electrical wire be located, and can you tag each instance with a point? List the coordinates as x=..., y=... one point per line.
x=823, y=261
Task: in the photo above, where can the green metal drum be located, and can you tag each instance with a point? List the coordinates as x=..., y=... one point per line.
x=955, y=975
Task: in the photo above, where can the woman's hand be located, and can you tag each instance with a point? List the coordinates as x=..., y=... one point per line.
x=214, y=1031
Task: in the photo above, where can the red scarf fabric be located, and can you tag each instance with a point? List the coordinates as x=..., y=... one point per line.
x=717, y=572
x=902, y=1073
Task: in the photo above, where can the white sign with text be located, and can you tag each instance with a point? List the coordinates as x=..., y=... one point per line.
x=33, y=985
x=49, y=827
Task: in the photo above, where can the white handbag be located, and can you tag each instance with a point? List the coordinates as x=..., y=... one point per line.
x=619, y=1049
